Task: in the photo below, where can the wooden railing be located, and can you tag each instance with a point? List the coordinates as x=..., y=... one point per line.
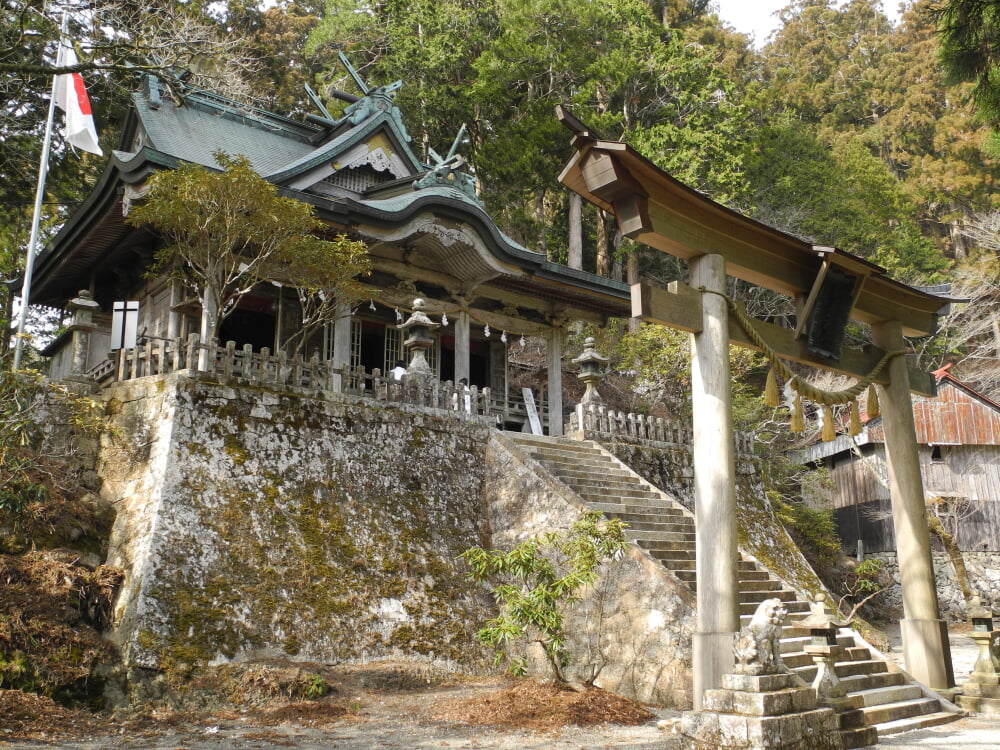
x=162, y=356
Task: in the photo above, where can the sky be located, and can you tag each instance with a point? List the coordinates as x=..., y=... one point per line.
x=757, y=17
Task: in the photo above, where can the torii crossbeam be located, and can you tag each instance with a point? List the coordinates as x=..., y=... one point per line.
x=657, y=210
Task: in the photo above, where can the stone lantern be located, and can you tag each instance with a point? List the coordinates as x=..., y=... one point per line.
x=418, y=328
x=830, y=691
x=83, y=308
x=591, y=371
x=824, y=650
x=982, y=691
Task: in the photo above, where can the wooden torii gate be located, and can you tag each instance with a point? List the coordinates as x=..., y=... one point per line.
x=657, y=210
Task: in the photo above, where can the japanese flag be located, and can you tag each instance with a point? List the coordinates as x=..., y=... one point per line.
x=71, y=98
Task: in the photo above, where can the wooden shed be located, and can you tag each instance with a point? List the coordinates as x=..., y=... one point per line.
x=958, y=431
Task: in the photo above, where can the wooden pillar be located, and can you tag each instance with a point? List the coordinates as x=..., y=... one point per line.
x=341, y=343
x=554, y=350
x=462, y=328
x=926, y=649
x=716, y=550
x=174, y=318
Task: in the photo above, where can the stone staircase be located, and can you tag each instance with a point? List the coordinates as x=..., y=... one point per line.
x=665, y=529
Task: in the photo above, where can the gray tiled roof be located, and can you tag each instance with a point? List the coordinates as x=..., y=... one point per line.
x=195, y=130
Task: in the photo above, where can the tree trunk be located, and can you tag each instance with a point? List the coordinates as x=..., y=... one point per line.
x=575, y=259
x=603, y=254
x=209, y=327
x=8, y=317
x=541, y=245
x=954, y=554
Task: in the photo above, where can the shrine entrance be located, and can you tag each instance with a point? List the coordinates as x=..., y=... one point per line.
x=830, y=287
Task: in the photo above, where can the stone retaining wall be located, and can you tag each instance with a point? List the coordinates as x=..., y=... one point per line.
x=256, y=524
x=984, y=576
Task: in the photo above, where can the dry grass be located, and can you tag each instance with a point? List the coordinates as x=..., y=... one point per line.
x=545, y=707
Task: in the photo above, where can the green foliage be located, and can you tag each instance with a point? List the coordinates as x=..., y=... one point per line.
x=841, y=195
x=227, y=231
x=539, y=579
x=24, y=479
x=813, y=530
x=867, y=576
x=970, y=49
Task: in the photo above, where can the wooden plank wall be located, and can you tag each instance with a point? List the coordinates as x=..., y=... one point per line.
x=968, y=476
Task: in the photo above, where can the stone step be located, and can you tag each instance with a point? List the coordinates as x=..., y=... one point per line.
x=675, y=517
x=798, y=643
x=794, y=607
x=759, y=584
x=599, y=481
x=858, y=737
x=559, y=453
x=891, y=712
x=610, y=506
x=674, y=527
x=654, y=506
x=619, y=496
x=554, y=454
x=889, y=694
x=595, y=462
x=682, y=573
x=636, y=535
x=754, y=575
x=755, y=597
x=545, y=441
x=846, y=669
x=670, y=551
x=856, y=683
x=629, y=495
x=931, y=719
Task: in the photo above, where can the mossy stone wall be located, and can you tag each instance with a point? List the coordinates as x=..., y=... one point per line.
x=256, y=524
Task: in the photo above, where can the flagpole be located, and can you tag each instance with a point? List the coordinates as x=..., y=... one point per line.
x=43, y=171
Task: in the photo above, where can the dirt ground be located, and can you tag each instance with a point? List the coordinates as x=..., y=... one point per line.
x=480, y=713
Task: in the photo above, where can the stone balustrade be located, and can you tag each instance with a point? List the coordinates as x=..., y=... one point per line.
x=315, y=376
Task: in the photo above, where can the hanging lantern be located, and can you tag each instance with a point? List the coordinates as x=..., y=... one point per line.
x=521, y=342
x=371, y=305
x=444, y=319
x=486, y=330
x=503, y=337
x=399, y=316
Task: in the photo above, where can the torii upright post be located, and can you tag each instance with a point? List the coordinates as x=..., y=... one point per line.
x=925, y=635
x=716, y=549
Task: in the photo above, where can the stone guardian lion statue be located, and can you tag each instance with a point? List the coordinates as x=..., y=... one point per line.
x=758, y=646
